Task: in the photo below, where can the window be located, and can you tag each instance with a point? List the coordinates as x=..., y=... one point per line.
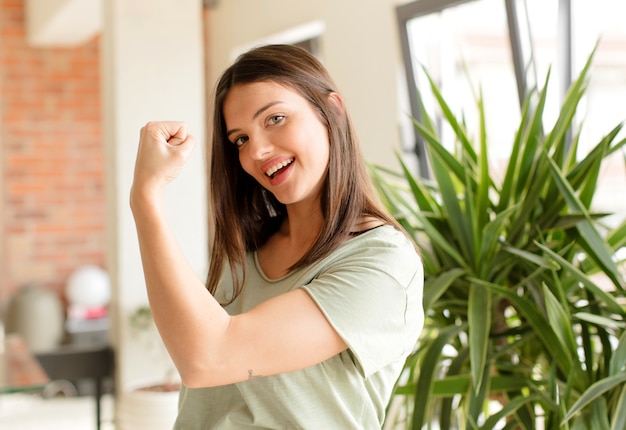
x=506, y=48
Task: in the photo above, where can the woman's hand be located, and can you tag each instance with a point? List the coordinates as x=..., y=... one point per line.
x=164, y=148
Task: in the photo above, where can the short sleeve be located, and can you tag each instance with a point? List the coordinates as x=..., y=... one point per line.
x=372, y=296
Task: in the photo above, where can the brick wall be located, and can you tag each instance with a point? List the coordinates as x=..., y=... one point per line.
x=52, y=201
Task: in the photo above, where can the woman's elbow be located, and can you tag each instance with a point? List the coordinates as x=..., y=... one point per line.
x=205, y=376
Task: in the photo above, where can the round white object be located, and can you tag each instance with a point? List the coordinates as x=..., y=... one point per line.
x=89, y=286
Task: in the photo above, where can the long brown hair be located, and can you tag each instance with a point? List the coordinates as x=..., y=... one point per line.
x=245, y=214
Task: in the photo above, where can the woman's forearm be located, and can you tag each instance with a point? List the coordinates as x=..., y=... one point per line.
x=190, y=321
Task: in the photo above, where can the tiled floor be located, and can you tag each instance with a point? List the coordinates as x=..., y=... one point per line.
x=31, y=412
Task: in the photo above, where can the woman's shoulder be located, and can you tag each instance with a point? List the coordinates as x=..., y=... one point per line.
x=380, y=229
x=366, y=224
x=382, y=233
x=382, y=245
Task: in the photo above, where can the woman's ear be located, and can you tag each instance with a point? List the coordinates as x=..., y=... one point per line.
x=337, y=102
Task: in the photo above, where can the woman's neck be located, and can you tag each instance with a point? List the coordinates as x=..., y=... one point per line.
x=302, y=226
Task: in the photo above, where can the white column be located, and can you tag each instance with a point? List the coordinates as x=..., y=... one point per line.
x=152, y=69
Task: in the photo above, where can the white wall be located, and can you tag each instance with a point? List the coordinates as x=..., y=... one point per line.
x=359, y=46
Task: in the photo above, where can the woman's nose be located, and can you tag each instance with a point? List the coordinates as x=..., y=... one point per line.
x=260, y=147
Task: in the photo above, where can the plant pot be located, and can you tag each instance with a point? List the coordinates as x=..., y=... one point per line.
x=148, y=406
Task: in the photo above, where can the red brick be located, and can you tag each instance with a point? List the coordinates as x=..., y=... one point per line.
x=53, y=157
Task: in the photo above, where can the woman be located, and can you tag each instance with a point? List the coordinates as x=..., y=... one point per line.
x=313, y=298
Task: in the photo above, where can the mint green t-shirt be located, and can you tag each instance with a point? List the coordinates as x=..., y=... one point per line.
x=370, y=290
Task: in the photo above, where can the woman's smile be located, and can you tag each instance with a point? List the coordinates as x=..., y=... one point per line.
x=271, y=171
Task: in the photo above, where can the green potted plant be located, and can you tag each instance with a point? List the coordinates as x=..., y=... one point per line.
x=524, y=292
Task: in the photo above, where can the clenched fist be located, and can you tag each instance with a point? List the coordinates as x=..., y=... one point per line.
x=164, y=148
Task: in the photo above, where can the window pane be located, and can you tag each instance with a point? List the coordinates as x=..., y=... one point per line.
x=465, y=48
x=605, y=104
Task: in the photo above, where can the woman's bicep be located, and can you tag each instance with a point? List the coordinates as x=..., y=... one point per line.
x=286, y=333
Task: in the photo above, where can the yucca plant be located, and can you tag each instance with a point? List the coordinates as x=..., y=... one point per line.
x=525, y=300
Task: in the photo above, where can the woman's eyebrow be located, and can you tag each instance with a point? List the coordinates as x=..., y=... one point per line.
x=256, y=115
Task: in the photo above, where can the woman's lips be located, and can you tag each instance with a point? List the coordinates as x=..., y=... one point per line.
x=281, y=175
x=278, y=166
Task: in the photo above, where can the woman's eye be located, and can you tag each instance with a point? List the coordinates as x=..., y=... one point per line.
x=240, y=141
x=275, y=119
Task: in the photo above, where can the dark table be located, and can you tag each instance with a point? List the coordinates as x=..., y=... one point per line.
x=76, y=362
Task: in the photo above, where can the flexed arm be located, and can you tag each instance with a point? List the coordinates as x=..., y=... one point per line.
x=208, y=346
x=180, y=303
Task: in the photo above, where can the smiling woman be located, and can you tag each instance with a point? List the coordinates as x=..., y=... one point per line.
x=314, y=294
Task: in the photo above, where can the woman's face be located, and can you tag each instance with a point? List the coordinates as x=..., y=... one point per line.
x=281, y=139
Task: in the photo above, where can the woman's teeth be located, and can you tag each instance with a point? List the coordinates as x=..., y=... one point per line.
x=275, y=168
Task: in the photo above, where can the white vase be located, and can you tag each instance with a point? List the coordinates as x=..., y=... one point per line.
x=139, y=409
x=36, y=314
